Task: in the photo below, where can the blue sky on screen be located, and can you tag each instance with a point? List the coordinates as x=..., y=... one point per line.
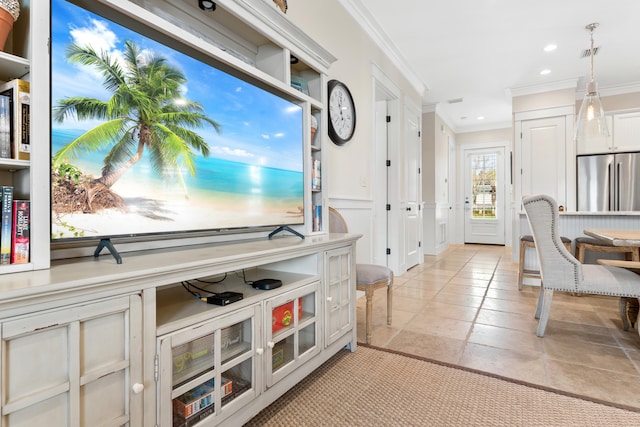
x=257, y=126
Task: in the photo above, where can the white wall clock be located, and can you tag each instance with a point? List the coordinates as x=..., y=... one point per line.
x=342, y=113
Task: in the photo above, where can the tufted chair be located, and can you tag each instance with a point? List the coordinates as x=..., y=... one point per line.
x=369, y=277
x=560, y=271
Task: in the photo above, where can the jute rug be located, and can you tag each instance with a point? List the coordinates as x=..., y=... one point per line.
x=372, y=387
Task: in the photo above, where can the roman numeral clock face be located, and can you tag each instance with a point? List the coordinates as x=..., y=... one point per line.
x=342, y=113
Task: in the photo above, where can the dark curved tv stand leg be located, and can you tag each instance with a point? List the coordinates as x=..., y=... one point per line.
x=285, y=228
x=106, y=243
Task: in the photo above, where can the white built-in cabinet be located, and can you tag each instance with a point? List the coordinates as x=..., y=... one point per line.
x=87, y=341
x=79, y=365
x=624, y=130
x=250, y=38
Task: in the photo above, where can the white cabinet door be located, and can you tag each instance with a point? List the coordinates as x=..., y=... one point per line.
x=77, y=366
x=544, y=158
x=339, y=288
x=291, y=331
x=626, y=132
x=210, y=370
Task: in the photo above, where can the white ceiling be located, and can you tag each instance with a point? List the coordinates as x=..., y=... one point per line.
x=483, y=51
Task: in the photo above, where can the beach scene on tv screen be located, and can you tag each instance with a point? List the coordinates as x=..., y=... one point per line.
x=146, y=139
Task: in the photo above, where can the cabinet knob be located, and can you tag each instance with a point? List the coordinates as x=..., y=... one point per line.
x=271, y=344
x=329, y=299
x=137, y=388
x=259, y=351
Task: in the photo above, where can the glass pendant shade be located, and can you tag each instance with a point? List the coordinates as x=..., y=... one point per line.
x=591, y=124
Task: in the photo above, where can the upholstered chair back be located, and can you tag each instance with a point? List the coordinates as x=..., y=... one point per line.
x=560, y=270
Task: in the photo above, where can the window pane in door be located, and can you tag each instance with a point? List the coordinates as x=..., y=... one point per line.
x=483, y=185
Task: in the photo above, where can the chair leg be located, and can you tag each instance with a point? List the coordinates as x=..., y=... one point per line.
x=368, y=315
x=623, y=313
x=540, y=301
x=521, y=268
x=389, y=303
x=544, y=316
x=579, y=253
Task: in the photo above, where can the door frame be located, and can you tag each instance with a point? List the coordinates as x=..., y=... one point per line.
x=387, y=179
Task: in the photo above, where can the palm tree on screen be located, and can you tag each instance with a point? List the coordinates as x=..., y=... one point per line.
x=145, y=113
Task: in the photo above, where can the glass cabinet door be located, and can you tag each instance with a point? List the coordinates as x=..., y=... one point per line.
x=292, y=334
x=339, y=287
x=206, y=369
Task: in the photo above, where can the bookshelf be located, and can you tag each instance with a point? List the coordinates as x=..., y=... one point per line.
x=26, y=50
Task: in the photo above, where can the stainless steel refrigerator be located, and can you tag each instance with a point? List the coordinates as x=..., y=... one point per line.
x=609, y=182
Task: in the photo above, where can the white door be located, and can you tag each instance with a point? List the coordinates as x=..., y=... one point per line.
x=543, y=158
x=484, y=196
x=412, y=181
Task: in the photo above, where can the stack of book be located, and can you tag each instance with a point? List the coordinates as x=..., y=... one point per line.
x=15, y=221
x=14, y=120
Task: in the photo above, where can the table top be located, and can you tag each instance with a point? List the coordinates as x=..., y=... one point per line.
x=632, y=265
x=616, y=237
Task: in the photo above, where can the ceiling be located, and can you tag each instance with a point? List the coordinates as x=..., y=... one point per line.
x=485, y=51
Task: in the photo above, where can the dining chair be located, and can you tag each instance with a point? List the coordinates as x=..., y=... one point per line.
x=369, y=277
x=561, y=271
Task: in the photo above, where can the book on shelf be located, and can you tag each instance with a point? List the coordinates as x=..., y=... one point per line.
x=6, y=222
x=300, y=84
x=20, y=232
x=17, y=91
x=5, y=127
x=316, y=181
x=317, y=217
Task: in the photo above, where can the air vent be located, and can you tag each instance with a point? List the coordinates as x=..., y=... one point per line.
x=454, y=101
x=587, y=52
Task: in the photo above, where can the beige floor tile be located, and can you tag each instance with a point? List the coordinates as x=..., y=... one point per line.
x=594, y=382
x=432, y=324
x=519, y=365
x=508, y=339
x=430, y=346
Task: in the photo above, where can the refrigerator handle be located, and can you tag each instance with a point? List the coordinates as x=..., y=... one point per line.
x=612, y=184
x=618, y=168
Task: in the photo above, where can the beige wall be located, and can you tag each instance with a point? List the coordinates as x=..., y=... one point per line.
x=557, y=98
x=331, y=26
x=627, y=101
x=485, y=136
x=435, y=158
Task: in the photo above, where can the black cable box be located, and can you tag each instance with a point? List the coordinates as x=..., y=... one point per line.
x=224, y=298
x=266, y=284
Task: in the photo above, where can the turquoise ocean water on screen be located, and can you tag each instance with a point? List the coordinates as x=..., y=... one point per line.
x=212, y=174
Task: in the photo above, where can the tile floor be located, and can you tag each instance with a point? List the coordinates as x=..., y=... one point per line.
x=463, y=307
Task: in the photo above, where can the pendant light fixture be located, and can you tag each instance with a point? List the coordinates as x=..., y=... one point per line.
x=591, y=125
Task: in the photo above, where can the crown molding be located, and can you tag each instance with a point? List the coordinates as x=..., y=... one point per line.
x=613, y=90
x=541, y=88
x=366, y=21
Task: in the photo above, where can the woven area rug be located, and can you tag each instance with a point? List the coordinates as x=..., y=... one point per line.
x=374, y=387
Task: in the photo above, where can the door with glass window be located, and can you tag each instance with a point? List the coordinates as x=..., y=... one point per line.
x=484, y=196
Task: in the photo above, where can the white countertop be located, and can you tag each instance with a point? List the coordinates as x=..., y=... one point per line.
x=585, y=213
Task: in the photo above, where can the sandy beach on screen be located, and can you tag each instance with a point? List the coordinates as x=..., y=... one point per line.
x=171, y=211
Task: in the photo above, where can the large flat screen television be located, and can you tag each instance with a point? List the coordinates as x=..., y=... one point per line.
x=148, y=138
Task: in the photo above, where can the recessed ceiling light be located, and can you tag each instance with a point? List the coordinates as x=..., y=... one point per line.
x=550, y=47
x=480, y=117
x=545, y=72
